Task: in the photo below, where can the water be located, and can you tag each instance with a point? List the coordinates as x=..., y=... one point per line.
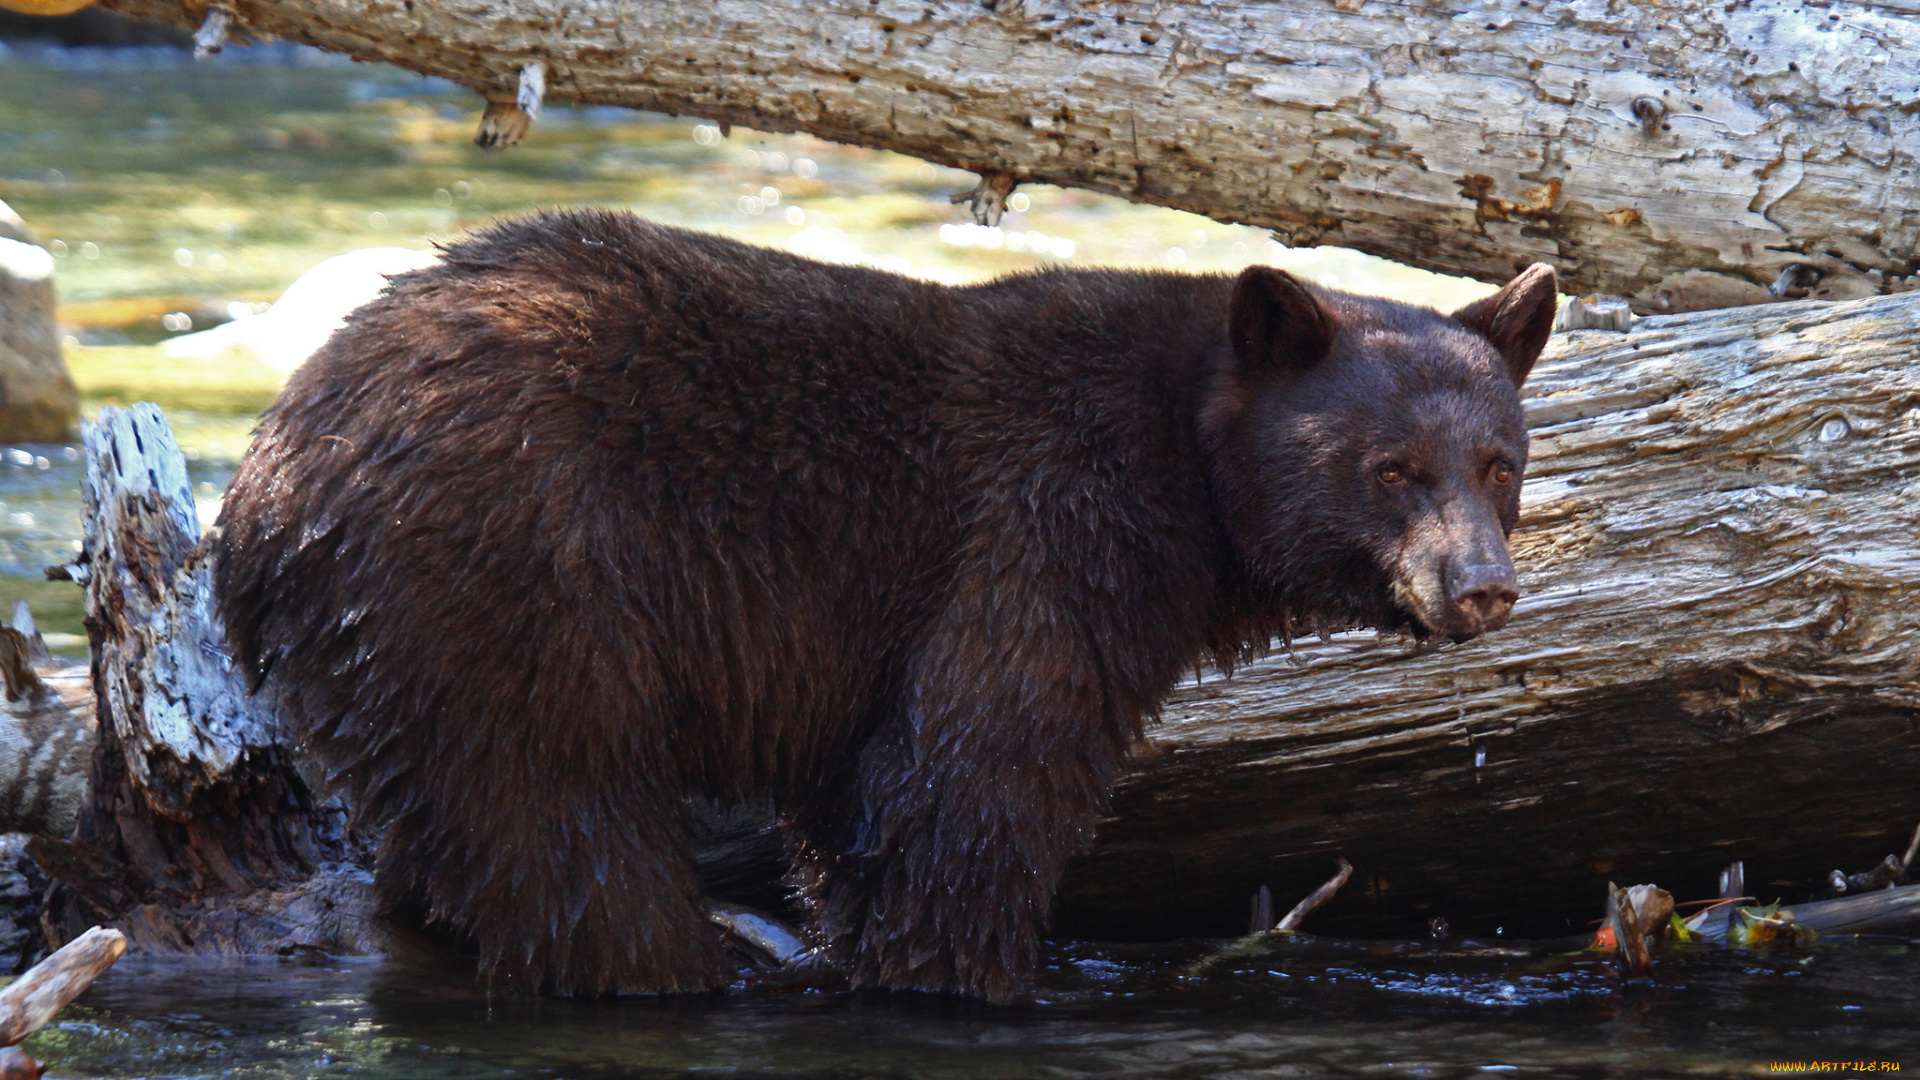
x=40, y=526
x=179, y=189
x=1303, y=1008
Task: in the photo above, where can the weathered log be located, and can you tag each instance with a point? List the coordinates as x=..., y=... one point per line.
x=1716, y=654
x=1715, y=657
x=1681, y=152
x=200, y=833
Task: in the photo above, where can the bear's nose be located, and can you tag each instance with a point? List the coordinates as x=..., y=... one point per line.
x=1484, y=596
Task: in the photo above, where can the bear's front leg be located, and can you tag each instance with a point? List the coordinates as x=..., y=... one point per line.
x=967, y=806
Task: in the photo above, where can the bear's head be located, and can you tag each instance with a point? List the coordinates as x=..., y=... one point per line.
x=1367, y=454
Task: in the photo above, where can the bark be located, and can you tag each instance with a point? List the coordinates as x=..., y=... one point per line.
x=1679, y=152
x=1715, y=658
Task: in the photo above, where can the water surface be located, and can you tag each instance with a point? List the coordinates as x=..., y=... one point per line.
x=1302, y=1008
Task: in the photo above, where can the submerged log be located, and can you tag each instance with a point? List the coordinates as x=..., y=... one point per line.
x=1684, y=153
x=1717, y=655
x=1885, y=911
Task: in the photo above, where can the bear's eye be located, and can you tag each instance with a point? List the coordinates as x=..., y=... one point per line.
x=1391, y=474
x=1500, y=472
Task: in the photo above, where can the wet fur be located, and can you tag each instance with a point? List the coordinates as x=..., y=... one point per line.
x=596, y=515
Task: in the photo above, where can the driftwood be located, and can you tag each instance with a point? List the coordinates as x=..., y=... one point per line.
x=32, y=1000
x=1683, y=153
x=1714, y=657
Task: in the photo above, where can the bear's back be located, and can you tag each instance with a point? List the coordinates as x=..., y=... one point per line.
x=640, y=471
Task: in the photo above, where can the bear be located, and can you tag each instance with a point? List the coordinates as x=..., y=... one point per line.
x=596, y=517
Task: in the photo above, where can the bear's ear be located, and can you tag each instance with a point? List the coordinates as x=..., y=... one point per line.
x=1276, y=324
x=1517, y=319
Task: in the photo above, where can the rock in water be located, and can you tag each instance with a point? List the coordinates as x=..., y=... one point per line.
x=38, y=400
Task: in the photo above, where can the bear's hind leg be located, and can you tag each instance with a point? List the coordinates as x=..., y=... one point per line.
x=566, y=898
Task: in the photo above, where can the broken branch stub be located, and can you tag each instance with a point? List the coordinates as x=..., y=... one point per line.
x=1315, y=899
x=213, y=33
x=199, y=832
x=505, y=123
x=178, y=707
x=987, y=202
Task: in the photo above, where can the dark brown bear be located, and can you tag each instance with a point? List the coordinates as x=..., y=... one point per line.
x=596, y=516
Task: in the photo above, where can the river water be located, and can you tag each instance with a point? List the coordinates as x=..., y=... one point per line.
x=201, y=191
x=1303, y=1007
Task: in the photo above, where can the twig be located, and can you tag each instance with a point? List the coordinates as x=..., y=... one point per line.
x=1314, y=899
x=35, y=998
x=1709, y=905
x=1262, y=918
x=763, y=932
x=1913, y=849
x=533, y=88
x=988, y=199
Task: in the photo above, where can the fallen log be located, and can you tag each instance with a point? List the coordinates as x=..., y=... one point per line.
x=1683, y=153
x=1714, y=657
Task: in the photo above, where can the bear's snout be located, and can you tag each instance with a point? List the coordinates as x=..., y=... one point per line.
x=1483, y=596
x=1453, y=575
